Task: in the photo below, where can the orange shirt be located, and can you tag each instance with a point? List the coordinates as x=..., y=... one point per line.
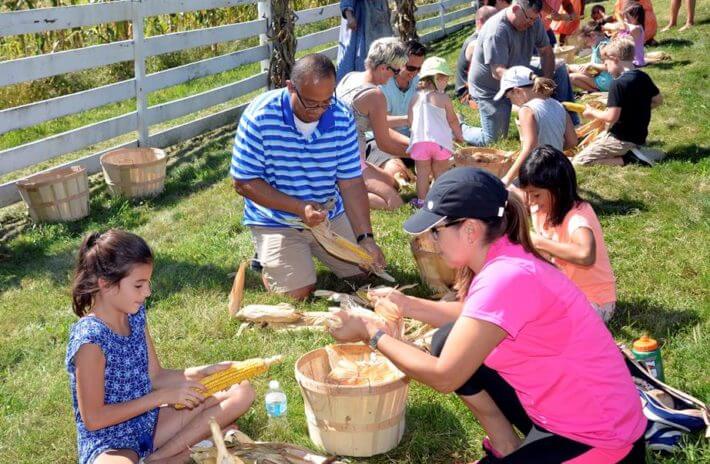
x=596, y=281
x=650, y=25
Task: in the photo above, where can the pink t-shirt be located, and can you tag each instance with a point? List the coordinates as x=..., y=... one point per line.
x=558, y=355
x=596, y=281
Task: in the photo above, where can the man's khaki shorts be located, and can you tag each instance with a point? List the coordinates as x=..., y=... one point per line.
x=286, y=255
x=606, y=146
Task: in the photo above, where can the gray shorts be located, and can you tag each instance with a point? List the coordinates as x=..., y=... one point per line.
x=375, y=156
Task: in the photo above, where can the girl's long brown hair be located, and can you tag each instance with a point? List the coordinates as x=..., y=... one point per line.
x=109, y=256
x=514, y=225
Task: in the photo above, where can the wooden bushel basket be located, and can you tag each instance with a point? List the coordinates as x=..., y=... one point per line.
x=433, y=270
x=491, y=159
x=566, y=53
x=135, y=172
x=58, y=195
x=350, y=420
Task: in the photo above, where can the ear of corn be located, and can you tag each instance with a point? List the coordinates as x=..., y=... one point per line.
x=282, y=312
x=239, y=372
x=341, y=247
x=576, y=107
x=237, y=294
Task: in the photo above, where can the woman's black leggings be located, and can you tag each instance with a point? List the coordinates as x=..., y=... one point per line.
x=540, y=445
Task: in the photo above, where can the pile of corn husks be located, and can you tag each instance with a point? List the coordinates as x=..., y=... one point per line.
x=348, y=368
x=238, y=448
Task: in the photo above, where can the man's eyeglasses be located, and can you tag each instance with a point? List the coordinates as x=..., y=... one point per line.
x=412, y=69
x=316, y=106
x=435, y=230
x=395, y=71
x=525, y=13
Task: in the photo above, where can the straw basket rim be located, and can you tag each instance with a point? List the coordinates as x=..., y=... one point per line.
x=52, y=176
x=112, y=157
x=564, y=48
x=343, y=390
x=467, y=151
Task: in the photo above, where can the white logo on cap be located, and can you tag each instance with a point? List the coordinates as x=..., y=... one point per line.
x=430, y=205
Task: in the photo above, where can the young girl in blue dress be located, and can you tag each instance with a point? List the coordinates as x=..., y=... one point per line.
x=122, y=397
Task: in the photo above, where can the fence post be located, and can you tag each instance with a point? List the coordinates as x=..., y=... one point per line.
x=264, y=12
x=442, y=12
x=139, y=70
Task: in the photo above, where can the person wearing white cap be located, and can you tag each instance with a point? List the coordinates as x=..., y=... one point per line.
x=543, y=120
x=434, y=125
x=522, y=347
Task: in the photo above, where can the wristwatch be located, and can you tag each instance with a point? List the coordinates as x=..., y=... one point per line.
x=362, y=237
x=376, y=338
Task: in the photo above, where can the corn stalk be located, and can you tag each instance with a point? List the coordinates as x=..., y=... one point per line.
x=405, y=20
x=282, y=34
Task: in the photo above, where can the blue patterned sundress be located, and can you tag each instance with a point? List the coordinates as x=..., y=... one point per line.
x=125, y=378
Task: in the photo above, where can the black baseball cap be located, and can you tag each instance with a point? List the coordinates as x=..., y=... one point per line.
x=464, y=192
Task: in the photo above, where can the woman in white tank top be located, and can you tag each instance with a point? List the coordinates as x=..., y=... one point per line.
x=543, y=120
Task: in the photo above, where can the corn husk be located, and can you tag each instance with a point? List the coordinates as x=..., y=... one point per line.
x=353, y=369
x=341, y=247
x=237, y=294
x=243, y=450
x=657, y=57
x=282, y=312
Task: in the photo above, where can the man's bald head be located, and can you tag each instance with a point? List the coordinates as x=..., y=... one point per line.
x=312, y=69
x=483, y=14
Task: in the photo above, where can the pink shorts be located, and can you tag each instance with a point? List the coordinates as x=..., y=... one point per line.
x=424, y=151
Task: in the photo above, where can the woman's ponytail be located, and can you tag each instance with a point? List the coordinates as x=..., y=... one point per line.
x=543, y=86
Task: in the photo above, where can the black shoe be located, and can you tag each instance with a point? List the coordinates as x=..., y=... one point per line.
x=632, y=158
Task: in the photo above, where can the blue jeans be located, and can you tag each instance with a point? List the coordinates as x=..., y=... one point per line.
x=495, y=119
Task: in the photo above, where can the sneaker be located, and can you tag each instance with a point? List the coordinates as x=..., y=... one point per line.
x=660, y=437
x=631, y=158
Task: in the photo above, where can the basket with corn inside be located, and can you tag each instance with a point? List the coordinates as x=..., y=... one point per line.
x=238, y=372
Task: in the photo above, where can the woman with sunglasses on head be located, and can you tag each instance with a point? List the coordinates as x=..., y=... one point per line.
x=522, y=347
x=360, y=92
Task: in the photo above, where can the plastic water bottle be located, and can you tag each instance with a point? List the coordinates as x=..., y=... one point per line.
x=648, y=353
x=275, y=400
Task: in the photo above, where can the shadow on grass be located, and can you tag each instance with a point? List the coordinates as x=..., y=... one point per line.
x=669, y=64
x=672, y=42
x=693, y=153
x=635, y=317
x=605, y=207
x=433, y=434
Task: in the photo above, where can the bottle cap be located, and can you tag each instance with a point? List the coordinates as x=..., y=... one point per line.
x=274, y=385
x=645, y=343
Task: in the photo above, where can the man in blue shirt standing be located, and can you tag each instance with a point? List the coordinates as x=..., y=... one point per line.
x=296, y=157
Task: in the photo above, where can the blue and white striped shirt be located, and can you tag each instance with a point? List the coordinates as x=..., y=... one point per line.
x=268, y=146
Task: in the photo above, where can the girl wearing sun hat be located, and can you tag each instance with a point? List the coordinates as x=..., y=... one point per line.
x=522, y=347
x=433, y=123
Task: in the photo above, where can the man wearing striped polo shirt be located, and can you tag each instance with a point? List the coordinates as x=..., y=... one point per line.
x=296, y=156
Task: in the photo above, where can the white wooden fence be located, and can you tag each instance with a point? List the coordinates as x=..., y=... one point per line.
x=137, y=50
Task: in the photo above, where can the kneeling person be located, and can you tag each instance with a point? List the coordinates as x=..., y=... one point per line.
x=296, y=156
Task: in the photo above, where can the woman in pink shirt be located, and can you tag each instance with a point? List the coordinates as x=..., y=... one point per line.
x=523, y=347
x=566, y=227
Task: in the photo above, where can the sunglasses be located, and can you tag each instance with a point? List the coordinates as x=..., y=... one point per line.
x=525, y=13
x=395, y=71
x=412, y=69
x=435, y=230
x=317, y=106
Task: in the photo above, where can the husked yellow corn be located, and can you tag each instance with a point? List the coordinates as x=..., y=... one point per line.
x=241, y=371
x=576, y=107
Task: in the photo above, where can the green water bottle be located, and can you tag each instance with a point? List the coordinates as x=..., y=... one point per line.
x=647, y=352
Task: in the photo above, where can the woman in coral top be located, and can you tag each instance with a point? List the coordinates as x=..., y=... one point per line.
x=522, y=347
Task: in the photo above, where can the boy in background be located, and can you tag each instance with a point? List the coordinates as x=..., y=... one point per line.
x=632, y=95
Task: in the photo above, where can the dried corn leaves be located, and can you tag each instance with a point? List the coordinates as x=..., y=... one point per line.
x=349, y=368
x=238, y=448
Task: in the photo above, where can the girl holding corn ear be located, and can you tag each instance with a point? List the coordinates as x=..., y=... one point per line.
x=118, y=385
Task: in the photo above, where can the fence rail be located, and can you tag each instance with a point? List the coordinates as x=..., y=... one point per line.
x=137, y=50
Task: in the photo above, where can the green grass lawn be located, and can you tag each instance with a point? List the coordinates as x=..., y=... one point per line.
x=657, y=229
